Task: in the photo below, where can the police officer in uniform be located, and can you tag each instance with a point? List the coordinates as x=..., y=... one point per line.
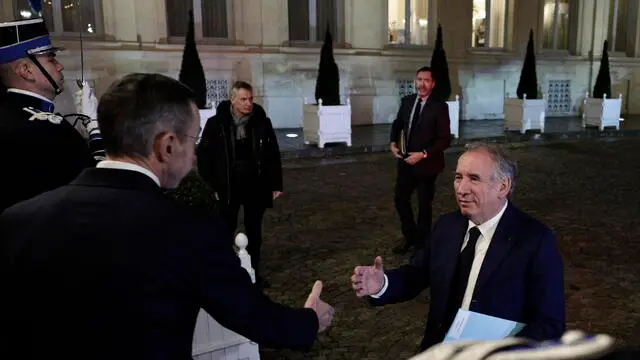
x=39, y=149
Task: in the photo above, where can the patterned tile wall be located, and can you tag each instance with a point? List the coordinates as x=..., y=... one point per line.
x=217, y=91
x=405, y=87
x=559, y=97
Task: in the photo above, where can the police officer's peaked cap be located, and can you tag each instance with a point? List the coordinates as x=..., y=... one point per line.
x=19, y=39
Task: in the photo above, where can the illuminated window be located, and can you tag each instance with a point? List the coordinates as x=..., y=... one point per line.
x=489, y=23
x=65, y=16
x=555, y=28
x=409, y=21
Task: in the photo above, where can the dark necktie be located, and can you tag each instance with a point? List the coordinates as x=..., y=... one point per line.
x=415, y=119
x=464, y=263
x=461, y=277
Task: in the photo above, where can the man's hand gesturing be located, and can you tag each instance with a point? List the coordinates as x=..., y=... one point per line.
x=368, y=280
x=323, y=310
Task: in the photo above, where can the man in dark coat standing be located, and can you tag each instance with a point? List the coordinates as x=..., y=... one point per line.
x=39, y=149
x=240, y=159
x=110, y=267
x=419, y=135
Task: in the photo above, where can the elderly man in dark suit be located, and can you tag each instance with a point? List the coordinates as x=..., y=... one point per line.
x=419, y=135
x=109, y=267
x=488, y=257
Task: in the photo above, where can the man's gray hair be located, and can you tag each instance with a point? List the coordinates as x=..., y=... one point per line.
x=8, y=72
x=505, y=166
x=240, y=85
x=137, y=107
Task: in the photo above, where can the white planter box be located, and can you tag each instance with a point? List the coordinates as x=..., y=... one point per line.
x=327, y=124
x=454, y=116
x=211, y=340
x=602, y=112
x=205, y=114
x=524, y=114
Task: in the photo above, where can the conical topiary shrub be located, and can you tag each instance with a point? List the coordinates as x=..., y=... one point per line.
x=440, y=69
x=528, y=79
x=603, y=80
x=193, y=190
x=191, y=71
x=328, y=82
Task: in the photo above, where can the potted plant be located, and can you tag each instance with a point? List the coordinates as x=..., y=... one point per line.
x=442, y=90
x=601, y=110
x=327, y=120
x=192, y=74
x=527, y=111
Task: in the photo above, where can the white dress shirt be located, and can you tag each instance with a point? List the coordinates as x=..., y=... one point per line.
x=111, y=164
x=487, y=229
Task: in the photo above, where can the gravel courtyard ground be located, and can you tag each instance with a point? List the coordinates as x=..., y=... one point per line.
x=340, y=214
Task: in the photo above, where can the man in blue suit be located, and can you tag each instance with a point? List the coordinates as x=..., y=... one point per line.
x=489, y=258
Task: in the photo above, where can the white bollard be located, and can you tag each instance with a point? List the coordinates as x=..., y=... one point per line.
x=245, y=259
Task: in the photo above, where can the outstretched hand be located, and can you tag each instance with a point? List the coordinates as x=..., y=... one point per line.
x=323, y=310
x=368, y=280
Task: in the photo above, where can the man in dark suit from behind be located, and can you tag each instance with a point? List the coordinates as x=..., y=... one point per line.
x=488, y=257
x=109, y=267
x=419, y=135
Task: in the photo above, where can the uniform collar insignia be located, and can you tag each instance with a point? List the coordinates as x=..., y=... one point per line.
x=41, y=115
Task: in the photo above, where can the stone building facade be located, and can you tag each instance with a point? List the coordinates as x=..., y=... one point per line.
x=275, y=45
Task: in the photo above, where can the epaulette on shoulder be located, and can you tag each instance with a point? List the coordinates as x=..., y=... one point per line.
x=41, y=115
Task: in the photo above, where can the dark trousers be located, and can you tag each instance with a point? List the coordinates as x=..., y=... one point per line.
x=415, y=233
x=253, y=209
